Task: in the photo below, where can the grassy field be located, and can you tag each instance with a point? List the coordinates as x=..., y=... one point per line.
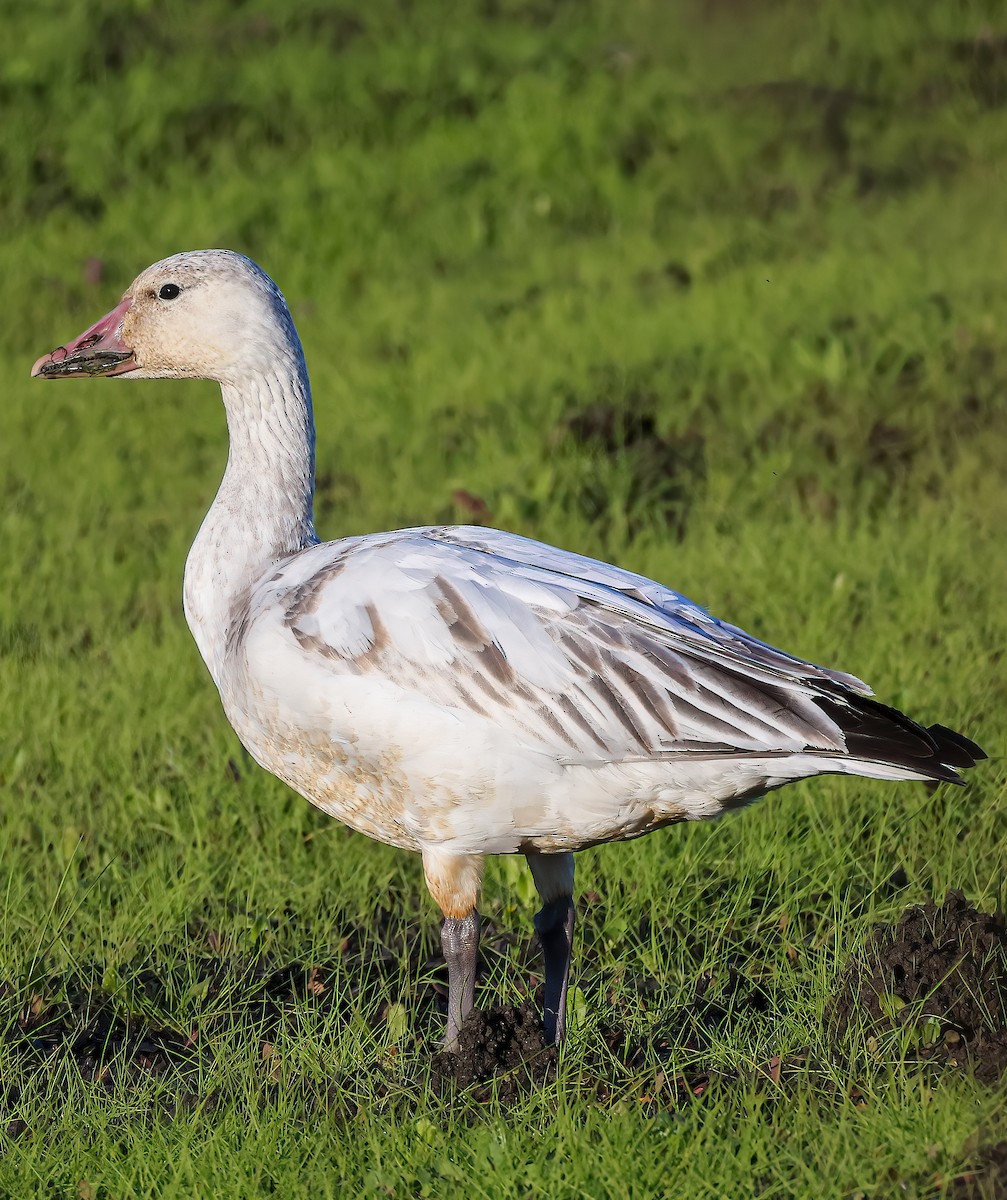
x=715, y=291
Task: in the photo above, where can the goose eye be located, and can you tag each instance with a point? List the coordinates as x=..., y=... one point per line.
x=169, y=291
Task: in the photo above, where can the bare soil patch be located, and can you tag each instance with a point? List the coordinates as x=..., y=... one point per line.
x=502, y=1044
x=940, y=977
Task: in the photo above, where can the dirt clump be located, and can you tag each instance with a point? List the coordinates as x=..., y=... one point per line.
x=939, y=977
x=503, y=1045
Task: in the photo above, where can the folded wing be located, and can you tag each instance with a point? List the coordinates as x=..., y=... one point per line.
x=584, y=660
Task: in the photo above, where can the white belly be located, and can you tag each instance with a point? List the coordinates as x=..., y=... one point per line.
x=413, y=775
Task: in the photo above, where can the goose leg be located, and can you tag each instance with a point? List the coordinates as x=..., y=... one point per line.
x=460, y=946
x=553, y=874
x=455, y=882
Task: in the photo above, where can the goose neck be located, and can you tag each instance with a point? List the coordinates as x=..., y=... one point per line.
x=263, y=510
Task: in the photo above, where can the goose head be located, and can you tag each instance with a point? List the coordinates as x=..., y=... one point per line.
x=204, y=314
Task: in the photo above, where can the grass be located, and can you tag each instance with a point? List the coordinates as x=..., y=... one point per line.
x=769, y=233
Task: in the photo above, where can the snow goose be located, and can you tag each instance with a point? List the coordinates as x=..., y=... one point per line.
x=462, y=691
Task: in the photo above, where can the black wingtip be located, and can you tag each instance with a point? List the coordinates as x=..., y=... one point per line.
x=876, y=732
x=955, y=749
